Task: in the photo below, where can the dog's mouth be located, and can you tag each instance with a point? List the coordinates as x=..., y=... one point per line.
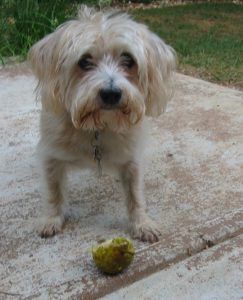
x=118, y=117
x=107, y=116
x=116, y=108
x=109, y=107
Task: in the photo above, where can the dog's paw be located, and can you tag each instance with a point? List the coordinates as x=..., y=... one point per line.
x=146, y=231
x=51, y=226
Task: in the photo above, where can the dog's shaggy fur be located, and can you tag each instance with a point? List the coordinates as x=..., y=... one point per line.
x=99, y=77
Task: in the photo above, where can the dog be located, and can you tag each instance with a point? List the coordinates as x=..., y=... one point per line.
x=99, y=78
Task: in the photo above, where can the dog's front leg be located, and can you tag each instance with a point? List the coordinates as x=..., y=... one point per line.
x=142, y=227
x=53, y=182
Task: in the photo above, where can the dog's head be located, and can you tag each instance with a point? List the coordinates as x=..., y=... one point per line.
x=104, y=69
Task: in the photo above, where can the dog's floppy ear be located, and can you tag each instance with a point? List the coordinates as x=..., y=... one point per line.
x=161, y=61
x=45, y=60
x=42, y=57
x=47, y=56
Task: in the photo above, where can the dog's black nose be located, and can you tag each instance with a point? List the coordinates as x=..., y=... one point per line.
x=110, y=96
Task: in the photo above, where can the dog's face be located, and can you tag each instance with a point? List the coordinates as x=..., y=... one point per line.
x=105, y=70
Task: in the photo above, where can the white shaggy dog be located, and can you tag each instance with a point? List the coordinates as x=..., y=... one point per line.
x=99, y=77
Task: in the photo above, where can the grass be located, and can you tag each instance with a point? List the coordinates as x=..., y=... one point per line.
x=23, y=22
x=207, y=37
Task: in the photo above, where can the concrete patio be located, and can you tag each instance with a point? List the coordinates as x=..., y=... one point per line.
x=193, y=188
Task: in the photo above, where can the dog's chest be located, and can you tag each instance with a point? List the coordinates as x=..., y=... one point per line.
x=103, y=149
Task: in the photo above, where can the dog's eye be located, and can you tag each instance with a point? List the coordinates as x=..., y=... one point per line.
x=85, y=62
x=127, y=60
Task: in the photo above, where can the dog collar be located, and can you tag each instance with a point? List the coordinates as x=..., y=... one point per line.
x=97, y=154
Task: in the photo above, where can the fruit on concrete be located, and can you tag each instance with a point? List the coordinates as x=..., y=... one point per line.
x=114, y=255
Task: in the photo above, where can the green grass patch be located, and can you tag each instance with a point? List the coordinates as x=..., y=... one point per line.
x=207, y=38
x=23, y=22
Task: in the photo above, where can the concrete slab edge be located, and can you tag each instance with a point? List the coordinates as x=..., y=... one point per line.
x=211, y=274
